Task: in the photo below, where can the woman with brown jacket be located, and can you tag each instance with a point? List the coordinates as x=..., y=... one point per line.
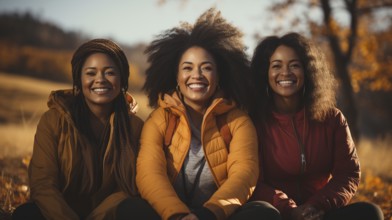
x=84, y=157
x=198, y=81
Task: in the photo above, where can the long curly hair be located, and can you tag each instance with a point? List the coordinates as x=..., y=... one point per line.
x=319, y=95
x=116, y=158
x=212, y=33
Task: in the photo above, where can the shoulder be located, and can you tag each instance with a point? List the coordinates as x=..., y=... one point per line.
x=237, y=115
x=237, y=118
x=157, y=117
x=135, y=121
x=335, y=116
x=51, y=117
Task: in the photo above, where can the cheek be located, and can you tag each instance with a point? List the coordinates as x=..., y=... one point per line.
x=181, y=79
x=213, y=78
x=85, y=81
x=271, y=77
x=117, y=81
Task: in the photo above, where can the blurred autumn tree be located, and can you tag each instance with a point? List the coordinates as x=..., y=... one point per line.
x=360, y=50
x=40, y=49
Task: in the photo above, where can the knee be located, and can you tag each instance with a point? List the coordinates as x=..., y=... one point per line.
x=27, y=210
x=371, y=210
x=263, y=208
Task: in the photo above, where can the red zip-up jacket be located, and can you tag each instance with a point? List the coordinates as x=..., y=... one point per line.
x=303, y=161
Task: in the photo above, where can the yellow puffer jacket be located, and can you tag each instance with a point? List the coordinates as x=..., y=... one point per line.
x=235, y=173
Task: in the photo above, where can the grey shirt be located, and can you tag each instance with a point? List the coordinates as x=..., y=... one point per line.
x=206, y=186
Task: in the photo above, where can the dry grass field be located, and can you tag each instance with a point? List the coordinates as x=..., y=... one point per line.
x=23, y=100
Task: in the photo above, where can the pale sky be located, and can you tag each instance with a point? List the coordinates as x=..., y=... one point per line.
x=135, y=21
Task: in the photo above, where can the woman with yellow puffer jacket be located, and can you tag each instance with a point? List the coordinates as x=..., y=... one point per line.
x=198, y=82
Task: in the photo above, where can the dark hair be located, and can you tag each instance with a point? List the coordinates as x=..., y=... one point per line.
x=319, y=96
x=99, y=46
x=212, y=33
x=116, y=158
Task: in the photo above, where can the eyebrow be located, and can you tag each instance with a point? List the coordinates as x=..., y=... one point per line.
x=105, y=68
x=204, y=62
x=293, y=60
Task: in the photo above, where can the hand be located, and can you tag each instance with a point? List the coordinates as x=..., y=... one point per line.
x=307, y=212
x=190, y=216
x=311, y=213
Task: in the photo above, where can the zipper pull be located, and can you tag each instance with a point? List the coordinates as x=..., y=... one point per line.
x=303, y=162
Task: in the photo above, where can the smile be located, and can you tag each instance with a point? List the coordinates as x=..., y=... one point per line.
x=197, y=86
x=100, y=90
x=287, y=82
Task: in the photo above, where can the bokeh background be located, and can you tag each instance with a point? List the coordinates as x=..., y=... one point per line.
x=38, y=38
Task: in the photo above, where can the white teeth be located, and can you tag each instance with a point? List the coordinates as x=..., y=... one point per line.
x=100, y=89
x=196, y=86
x=286, y=82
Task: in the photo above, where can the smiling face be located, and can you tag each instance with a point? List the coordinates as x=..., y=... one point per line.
x=286, y=73
x=101, y=80
x=197, y=77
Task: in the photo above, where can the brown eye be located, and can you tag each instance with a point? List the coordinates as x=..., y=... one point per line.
x=207, y=68
x=90, y=73
x=187, y=68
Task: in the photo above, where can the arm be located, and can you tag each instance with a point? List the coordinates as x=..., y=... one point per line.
x=241, y=166
x=345, y=172
x=275, y=197
x=151, y=178
x=44, y=170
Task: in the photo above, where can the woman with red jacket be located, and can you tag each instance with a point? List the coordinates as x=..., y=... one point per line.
x=309, y=168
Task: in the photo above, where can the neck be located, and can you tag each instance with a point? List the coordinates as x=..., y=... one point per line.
x=287, y=105
x=196, y=116
x=101, y=113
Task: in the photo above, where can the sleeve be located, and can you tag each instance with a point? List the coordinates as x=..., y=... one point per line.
x=345, y=172
x=242, y=168
x=276, y=197
x=151, y=175
x=44, y=170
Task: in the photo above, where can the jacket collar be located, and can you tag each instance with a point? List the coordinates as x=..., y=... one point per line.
x=218, y=106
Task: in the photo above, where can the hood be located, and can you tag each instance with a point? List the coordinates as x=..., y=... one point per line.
x=219, y=104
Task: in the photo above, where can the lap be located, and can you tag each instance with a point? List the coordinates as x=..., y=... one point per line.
x=358, y=211
x=136, y=208
x=27, y=210
x=256, y=210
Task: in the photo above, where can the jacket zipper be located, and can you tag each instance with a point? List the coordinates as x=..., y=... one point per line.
x=302, y=159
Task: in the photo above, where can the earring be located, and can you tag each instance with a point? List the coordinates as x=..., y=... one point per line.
x=178, y=88
x=123, y=90
x=75, y=90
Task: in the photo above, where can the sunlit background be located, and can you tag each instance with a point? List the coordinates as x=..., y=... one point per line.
x=38, y=38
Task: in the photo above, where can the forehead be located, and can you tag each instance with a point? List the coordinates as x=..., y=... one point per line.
x=99, y=59
x=197, y=54
x=284, y=53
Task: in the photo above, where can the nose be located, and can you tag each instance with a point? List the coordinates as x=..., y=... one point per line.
x=286, y=70
x=100, y=77
x=197, y=73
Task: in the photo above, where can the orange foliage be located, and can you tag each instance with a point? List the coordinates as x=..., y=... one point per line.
x=36, y=62
x=371, y=67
